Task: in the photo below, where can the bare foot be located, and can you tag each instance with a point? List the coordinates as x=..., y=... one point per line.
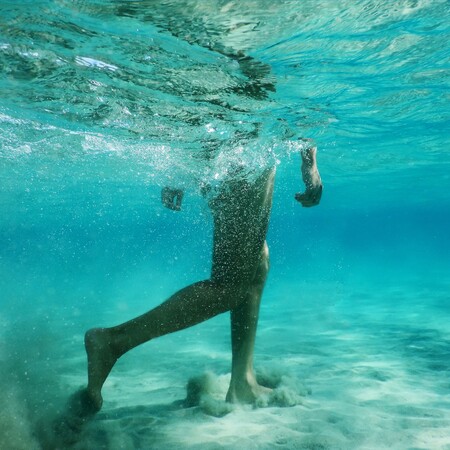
x=67, y=427
x=101, y=359
x=246, y=392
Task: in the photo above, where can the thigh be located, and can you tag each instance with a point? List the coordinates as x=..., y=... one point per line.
x=241, y=218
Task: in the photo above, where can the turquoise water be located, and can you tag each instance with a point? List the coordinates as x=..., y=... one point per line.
x=103, y=103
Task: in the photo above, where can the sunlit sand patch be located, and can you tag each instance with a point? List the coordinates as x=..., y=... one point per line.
x=366, y=387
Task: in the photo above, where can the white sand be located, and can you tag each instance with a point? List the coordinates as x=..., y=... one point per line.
x=363, y=372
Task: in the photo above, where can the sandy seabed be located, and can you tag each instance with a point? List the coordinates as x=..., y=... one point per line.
x=364, y=372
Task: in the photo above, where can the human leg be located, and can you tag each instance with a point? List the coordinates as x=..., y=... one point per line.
x=241, y=217
x=187, y=307
x=244, y=320
x=245, y=254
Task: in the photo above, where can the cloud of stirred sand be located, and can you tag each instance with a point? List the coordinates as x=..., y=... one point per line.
x=30, y=387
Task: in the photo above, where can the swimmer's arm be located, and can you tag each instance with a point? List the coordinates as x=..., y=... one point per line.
x=311, y=178
x=172, y=198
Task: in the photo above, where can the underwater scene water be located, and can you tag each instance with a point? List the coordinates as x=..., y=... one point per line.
x=103, y=103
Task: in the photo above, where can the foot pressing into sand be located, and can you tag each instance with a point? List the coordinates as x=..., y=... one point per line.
x=246, y=391
x=101, y=359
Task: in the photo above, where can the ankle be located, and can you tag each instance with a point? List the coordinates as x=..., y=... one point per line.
x=243, y=378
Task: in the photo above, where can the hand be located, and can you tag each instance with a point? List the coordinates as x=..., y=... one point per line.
x=311, y=197
x=311, y=178
x=172, y=198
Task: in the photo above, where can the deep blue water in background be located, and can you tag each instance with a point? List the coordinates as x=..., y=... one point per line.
x=102, y=103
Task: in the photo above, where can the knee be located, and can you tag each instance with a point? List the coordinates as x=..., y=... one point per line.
x=263, y=265
x=265, y=255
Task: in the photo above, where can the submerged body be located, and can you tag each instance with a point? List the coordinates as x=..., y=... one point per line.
x=240, y=265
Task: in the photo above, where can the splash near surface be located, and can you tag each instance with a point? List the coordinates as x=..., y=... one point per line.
x=134, y=81
x=102, y=103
